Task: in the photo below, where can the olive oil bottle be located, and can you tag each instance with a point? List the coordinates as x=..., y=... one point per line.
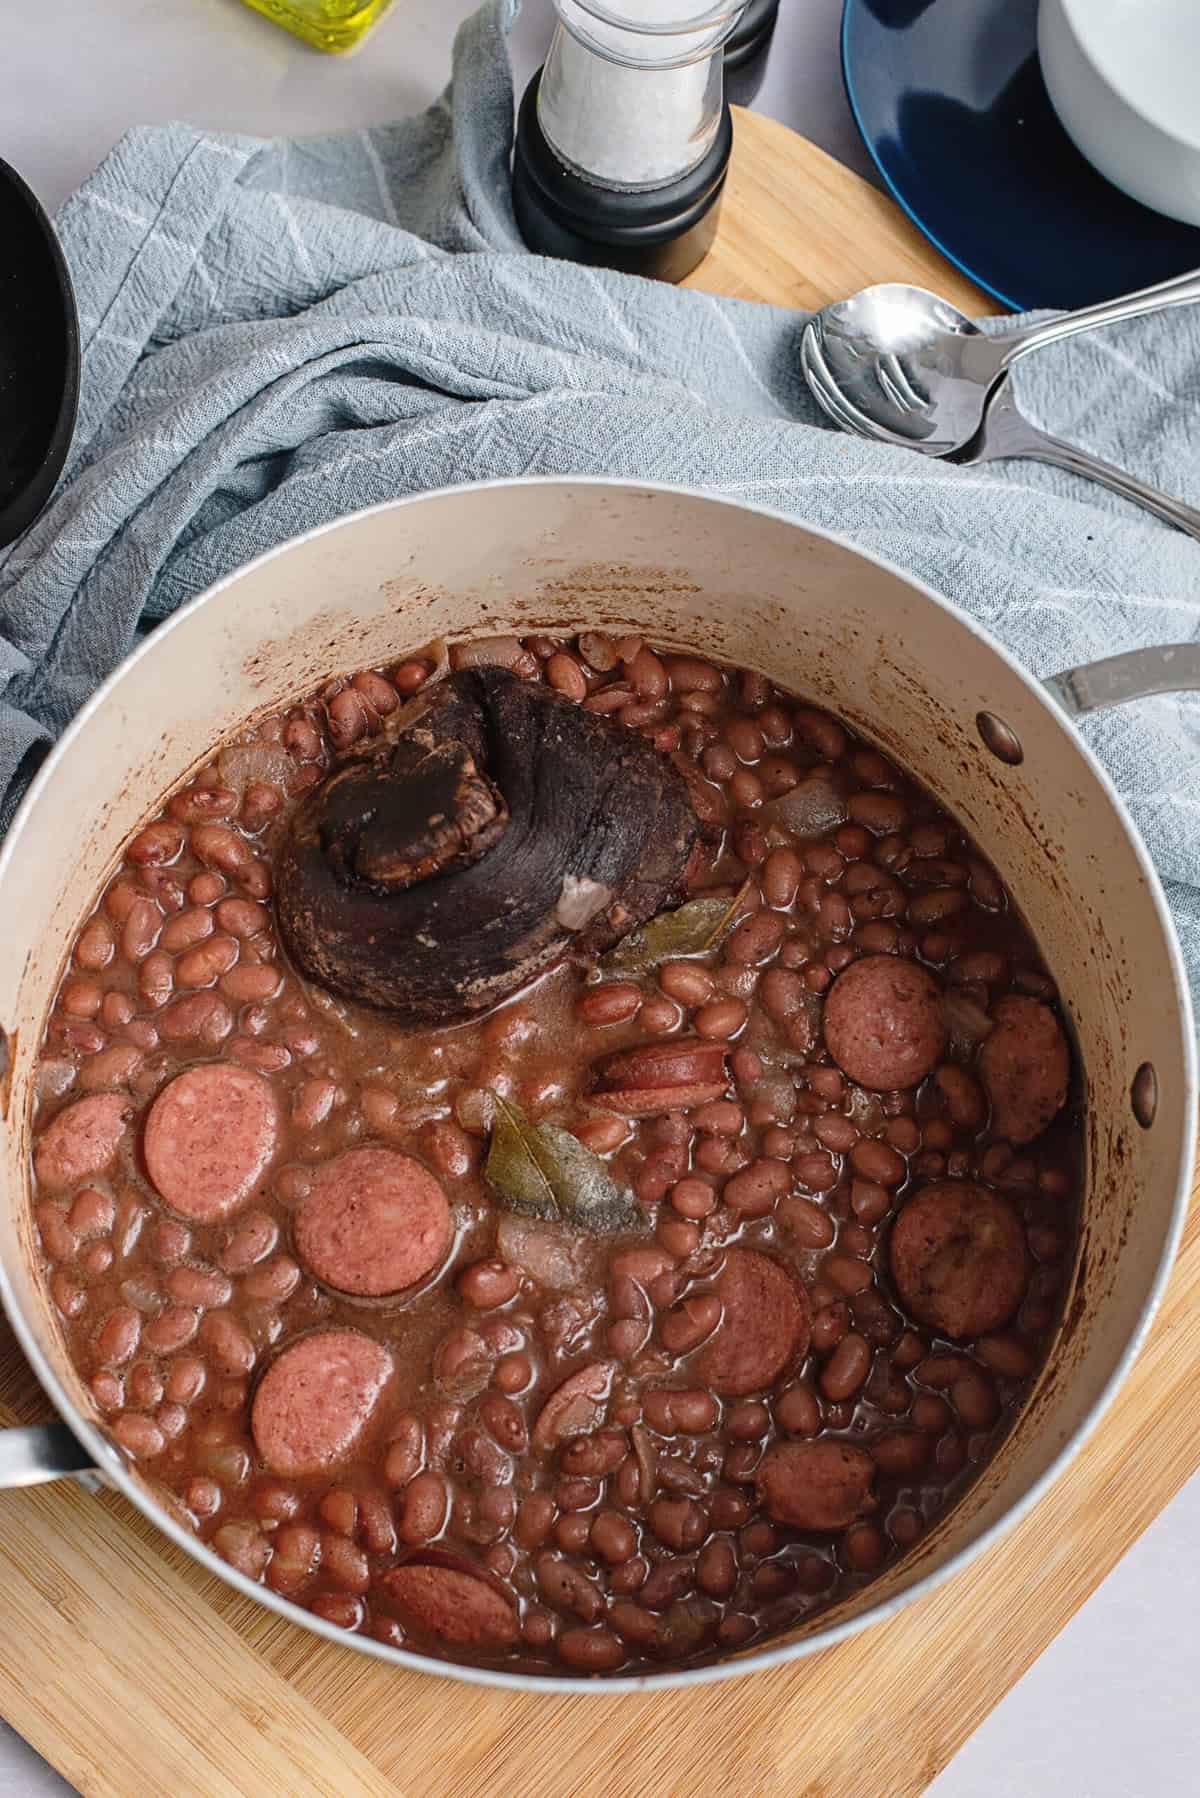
x=329, y=24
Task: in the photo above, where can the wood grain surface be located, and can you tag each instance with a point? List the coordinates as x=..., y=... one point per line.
x=135, y=1673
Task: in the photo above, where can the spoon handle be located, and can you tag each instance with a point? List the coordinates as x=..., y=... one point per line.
x=1007, y=433
x=1181, y=290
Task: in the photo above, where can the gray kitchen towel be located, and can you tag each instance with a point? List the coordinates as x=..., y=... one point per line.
x=276, y=333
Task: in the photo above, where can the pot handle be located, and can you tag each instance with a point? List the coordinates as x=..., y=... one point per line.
x=1138, y=673
x=34, y=1453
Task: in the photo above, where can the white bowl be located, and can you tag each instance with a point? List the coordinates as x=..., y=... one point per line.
x=1124, y=78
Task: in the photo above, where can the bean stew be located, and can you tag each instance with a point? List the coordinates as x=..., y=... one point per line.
x=557, y=1155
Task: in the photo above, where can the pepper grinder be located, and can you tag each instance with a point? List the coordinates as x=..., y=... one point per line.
x=623, y=135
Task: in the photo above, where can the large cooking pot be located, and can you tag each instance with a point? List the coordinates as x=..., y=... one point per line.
x=824, y=620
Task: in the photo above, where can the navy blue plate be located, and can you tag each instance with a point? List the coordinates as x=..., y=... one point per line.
x=950, y=101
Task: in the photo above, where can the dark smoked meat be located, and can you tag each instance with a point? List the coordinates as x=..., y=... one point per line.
x=499, y=828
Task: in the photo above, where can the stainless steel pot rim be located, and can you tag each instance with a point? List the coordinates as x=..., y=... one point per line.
x=109, y=1462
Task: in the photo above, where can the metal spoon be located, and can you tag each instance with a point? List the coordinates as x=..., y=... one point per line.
x=1005, y=432
x=914, y=369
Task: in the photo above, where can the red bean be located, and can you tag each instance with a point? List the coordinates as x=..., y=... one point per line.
x=658, y=1017
x=185, y=1378
x=748, y=1421
x=513, y=1373
x=679, y=1522
x=754, y=1191
x=829, y=1325
x=426, y=1503
x=818, y=1172
x=566, y=676
x=780, y=878
x=164, y=888
x=272, y=1281
x=379, y=693
x=405, y=1450
x=411, y=676
x=820, y=732
x=806, y=1221
x=847, y=1368
x=797, y=1411
x=486, y=1284
x=339, y=1509
x=612, y=1003
x=171, y=1329
x=693, y=1198
x=601, y=1134
x=141, y=1438
x=878, y=1162
x=864, y=1547
x=749, y=839
x=930, y=1414
x=937, y=906
x=119, y=1336
x=157, y=844
x=847, y=1272
x=904, y=1134
x=591, y=1650
x=202, y=800
x=251, y=983
x=745, y=738
x=242, y=917
x=92, y=1213
x=721, y=1117
x=348, y=718
x=230, y=1348
x=964, y=1101
x=1006, y=1355
x=756, y=938
x=200, y=1017
x=201, y=965
x=902, y=1452
x=975, y=1399
x=96, y=945
x=882, y=814
x=720, y=1019
x=835, y=1132
x=143, y=921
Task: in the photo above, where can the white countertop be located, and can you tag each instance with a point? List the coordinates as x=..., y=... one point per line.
x=1111, y=1709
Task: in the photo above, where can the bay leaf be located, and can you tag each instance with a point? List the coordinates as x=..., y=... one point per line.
x=541, y=1170
x=689, y=930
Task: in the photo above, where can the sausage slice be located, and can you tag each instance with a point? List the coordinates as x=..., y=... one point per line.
x=815, y=1485
x=81, y=1141
x=455, y=1602
x=209, y=1138
x=959, y=1259
x=316, y=1399
x=375, y=1222
x=764, y=1324
x=1025, y=1065
x=884, y=1023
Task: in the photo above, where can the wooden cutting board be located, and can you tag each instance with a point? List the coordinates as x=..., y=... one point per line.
x=135, y=1673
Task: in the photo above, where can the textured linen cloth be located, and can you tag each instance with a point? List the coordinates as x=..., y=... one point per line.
x=277, y=333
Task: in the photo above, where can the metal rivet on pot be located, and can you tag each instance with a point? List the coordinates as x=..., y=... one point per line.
x=1143, y=1094
x=1000, y=738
